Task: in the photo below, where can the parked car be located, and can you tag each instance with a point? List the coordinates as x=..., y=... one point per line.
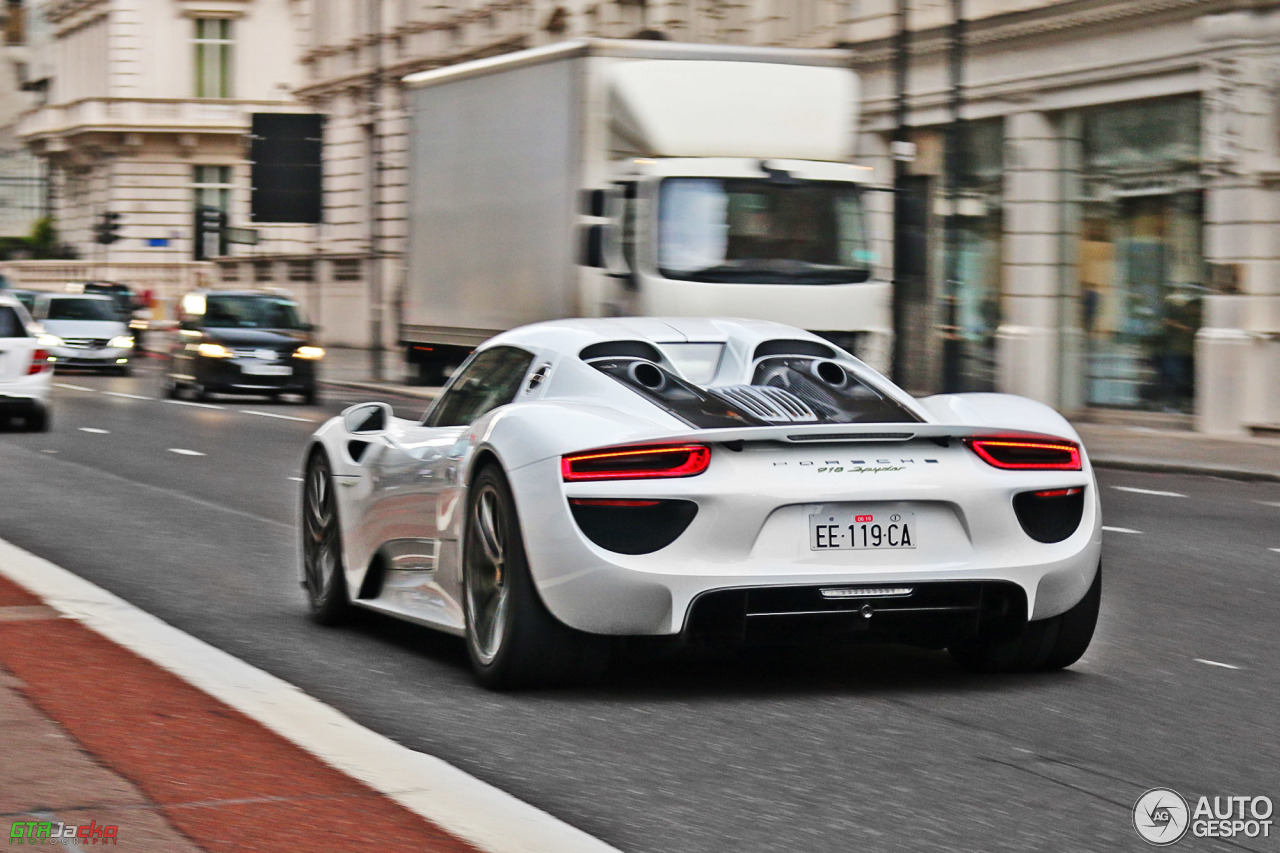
x=86, y=331
x=242, y=342
x=707, y=481
x=26, y=373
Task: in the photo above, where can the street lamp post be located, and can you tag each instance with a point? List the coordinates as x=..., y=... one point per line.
x=955, y=164
x=376, y=308
x=902, y=222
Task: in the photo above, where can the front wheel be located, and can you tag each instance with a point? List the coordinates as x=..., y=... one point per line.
x=512, y=639
x=1052, y=643
x=322, y=576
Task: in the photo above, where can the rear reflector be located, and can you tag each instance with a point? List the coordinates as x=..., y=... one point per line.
x=1058, y=493
x=637, y=463
x=1027, y=454
x=39, y=362
x=610, y=502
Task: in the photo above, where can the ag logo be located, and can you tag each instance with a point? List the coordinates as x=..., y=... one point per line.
x=1161, y=816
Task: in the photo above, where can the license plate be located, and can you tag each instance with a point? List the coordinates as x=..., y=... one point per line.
x=266, y=370
x=862, y=531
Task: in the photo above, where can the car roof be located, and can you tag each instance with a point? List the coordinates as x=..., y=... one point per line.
x=273, y=294
x=100, y=297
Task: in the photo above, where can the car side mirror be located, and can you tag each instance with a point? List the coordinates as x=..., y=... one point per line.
x=368, y=418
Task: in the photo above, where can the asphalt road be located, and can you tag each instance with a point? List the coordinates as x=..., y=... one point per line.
x=832, y=750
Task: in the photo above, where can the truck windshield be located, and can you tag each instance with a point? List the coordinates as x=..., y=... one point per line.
x=761, y=231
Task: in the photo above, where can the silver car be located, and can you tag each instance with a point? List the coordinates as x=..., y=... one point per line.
x=89, y=331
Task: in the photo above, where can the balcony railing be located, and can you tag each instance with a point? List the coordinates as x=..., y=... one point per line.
x=156, y=114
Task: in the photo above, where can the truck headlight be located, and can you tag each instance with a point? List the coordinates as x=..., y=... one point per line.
x=121, y=342
x=309, y=352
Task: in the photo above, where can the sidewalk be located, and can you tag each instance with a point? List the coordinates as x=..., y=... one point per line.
x=102, y=744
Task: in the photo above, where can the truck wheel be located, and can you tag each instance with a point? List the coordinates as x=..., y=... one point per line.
x=1052, y=643
x=513, y=641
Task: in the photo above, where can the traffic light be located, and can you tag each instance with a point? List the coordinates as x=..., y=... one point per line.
x=107, y=230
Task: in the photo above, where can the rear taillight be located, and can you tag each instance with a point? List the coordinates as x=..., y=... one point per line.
x=1027, y=454
x=637, y=463
x=39, y=362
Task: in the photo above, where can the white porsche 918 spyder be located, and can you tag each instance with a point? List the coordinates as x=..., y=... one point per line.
x=710, y=481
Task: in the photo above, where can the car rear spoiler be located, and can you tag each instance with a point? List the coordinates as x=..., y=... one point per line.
x=882, y=433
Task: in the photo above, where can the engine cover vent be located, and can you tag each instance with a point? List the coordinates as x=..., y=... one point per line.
x=774, y=405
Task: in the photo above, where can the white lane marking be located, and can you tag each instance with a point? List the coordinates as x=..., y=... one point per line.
x=1277, y=550
x=190, y=403
x=182, y=451
x=48, y=451
x=72, y=387
x=299, y=480
x=1269, y=503
x=491, y=819
x=129, y=396
x=276, y=415
x=95, y=430
x=1216, y=663
x=1119, y=529
x=1148, y=492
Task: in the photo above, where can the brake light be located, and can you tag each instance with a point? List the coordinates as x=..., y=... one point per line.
x=1027, y=454
x=637, y=463
x=39, y=362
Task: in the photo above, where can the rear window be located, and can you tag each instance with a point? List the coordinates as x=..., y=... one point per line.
x=11, y=324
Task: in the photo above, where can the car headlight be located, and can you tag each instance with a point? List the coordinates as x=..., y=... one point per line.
x=121, y=342
x=213, y=351
x=47, y=340
x=309, y=352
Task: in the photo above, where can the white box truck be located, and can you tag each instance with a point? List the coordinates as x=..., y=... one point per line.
x=601, y=178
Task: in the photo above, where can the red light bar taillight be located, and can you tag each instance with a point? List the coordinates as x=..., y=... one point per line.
x=1027, y=454
x=39, y=362
x=637, y=463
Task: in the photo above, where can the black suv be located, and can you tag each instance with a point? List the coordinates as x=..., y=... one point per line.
x=242, y=342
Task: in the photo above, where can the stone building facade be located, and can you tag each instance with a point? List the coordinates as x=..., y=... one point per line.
x=145, y=112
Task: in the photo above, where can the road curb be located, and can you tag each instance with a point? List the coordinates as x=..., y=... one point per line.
x=462, y=805
x=1157, y=467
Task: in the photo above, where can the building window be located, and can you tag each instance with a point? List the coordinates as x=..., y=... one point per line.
x=213, y=187
x=213, y=58
x=229, y=272
x=346, y=269
x=263, y=271
x=301, y=271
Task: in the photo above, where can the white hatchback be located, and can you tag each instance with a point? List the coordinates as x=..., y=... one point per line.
x=26, y=374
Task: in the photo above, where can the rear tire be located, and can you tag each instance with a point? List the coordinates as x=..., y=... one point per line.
x=512, y=639
x=1052, y=643
x=311, y=396
x=322, y=567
